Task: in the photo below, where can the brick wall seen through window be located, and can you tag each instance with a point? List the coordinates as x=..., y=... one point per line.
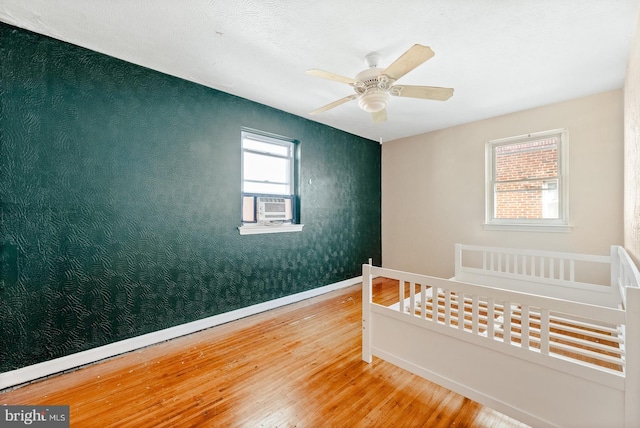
x=526, y=180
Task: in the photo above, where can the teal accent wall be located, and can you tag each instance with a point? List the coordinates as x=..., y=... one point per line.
x=120, y=202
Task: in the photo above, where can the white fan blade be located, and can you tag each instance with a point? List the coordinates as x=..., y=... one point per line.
x=379, y=116
x=335, y=104
x=416, y=55
x=331, y=76
x=426, y=92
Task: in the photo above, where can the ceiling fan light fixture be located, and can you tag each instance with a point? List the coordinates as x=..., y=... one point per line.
x=373, y=101
x=375, y=85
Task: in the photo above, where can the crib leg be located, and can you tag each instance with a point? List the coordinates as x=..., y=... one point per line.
x=366, y=315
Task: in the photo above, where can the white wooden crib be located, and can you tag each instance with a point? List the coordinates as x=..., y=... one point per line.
x=535, y=337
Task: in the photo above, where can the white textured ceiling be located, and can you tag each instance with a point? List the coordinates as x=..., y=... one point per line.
x=499, y=55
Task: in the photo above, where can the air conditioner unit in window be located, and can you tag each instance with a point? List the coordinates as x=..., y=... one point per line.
x=273, y=209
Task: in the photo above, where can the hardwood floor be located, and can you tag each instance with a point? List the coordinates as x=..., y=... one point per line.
x=297, y=366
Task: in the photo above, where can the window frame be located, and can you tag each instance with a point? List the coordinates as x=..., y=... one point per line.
x=560, y=224
x=255, y=227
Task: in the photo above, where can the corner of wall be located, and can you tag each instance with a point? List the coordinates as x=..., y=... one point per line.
x=632, y=149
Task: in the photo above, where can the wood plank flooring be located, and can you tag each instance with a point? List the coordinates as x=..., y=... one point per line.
x=296, y=366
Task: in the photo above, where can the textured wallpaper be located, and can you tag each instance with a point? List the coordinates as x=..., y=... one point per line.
x=120, y=201
x=632, y=150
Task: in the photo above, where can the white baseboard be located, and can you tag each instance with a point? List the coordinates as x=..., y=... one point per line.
x=47, y=368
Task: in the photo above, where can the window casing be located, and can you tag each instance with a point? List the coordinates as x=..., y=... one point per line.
x=526, y=182
x=269, y=169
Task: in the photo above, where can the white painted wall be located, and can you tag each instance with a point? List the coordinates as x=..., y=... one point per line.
x=433, y=185
x=632, y=151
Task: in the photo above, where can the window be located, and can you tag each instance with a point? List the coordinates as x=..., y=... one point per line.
x=526, y=180
x=269, y=166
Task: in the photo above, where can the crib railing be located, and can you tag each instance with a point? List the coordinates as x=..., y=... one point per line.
x=535, y=326
x=600, y=343
x=527, y=327
x=554, y=274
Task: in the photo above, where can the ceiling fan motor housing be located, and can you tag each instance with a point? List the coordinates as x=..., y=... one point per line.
x=373, y=89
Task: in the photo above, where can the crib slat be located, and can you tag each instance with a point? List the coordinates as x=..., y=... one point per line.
x=474, y=314
x=460, y=310
x=412, y=298
x=490, y=318
x=572, y=270
x=437, y=302
x=533, y=265
x=447, y=307
x=506, y=315
x=524, y=326
x=401, y=295
x=544, y=331
x=423, y=302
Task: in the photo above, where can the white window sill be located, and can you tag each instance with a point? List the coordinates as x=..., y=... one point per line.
x=515, y=227
x=256, y=229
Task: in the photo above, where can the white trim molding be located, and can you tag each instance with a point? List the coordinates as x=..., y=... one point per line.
x=518, y=227
x=256, y=229
x=47, y=368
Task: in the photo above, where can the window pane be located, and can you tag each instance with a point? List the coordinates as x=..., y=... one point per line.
x=266, y=168
x=266, y=188
x=533, y=159
x=527, y=200
x=550, y=200
x=261, y=146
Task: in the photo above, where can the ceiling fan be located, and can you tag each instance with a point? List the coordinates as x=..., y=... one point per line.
x=374, y=85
